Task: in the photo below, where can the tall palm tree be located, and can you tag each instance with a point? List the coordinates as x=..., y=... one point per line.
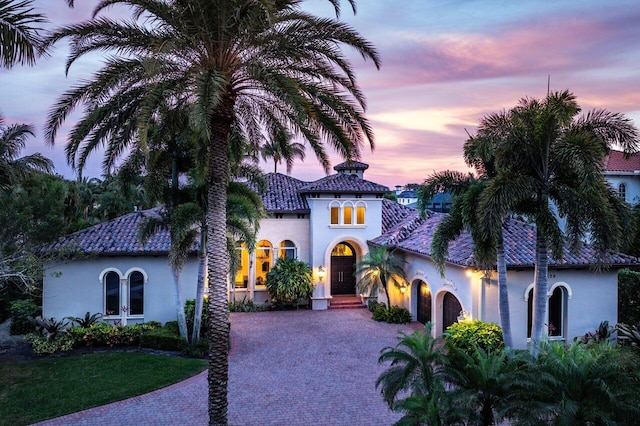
x=547, y=154
x=252, y=64
x=280, y=148
x=20, y=42
x=379, y=268
x=464, y=213
x=13, y=169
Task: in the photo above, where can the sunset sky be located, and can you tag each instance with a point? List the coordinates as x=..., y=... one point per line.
x=445, y=64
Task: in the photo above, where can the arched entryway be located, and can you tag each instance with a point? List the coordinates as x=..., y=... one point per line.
x=423, y=306
x=343, y=260
x=451, y=309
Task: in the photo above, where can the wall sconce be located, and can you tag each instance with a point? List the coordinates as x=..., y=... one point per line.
x=464, y=316
x=403, y=289
x=321, y=273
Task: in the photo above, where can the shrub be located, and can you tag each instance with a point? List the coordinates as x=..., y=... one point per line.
x=465, y=335
x=372, y=304
x=103, y=334
x=162, y=338
x=190, y=311
x=398, y=315
x=50, y=327
x=380, y=313
x=630, y=335
x=43, y=346
x=289, y=281
x=604, y=333
x=246, y=306
x=20, y=311
x=173, y=327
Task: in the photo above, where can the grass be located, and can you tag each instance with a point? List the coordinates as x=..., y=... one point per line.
x=43, y=389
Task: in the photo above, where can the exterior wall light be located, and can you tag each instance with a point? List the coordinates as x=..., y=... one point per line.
x=321, y=272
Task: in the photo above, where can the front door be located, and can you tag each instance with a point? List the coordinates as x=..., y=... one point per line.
x=343, y=259
x=424, y=303
x=451, y=309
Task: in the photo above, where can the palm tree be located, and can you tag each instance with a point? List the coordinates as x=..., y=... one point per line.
x=548, y=154
x=280, y=148
x=20, y=42
x=464, y=213
x=379, y=268
x=13, y=169
x=251, y=63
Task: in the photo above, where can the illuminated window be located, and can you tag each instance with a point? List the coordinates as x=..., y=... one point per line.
x=287, y=250
x=112, y=293
x=335, y=215
x=136, y=293
x=360, y=215
x=264, y=258
x=242, y=273
x=348, y=215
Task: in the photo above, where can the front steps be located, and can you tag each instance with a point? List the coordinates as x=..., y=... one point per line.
x=346, y=301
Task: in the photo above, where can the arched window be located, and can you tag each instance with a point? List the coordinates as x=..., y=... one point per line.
x=112, y=294
x=264, y=257
x=622, y=191
x=556, y=312
x=347, y=214
x=360, y=209
x=287, y=250
x=136, y=293
x=335, y=213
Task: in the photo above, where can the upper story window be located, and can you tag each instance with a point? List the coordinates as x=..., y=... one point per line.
x=287, y=250
x=622, y=191
x=347, y=213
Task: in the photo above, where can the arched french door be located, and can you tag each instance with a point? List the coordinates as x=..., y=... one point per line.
x=423, y=313
x=451, y=309
x=343, y=260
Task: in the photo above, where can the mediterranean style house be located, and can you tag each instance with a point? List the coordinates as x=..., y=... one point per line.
x=330, y=223
x=623, y=174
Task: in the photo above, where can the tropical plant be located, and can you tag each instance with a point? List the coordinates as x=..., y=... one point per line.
x=245, y=64
x=87, y=321
x=546, y=155
x=13, y=139
x=50, y=327
x=581, y=384
x=20, y=312
x=629, y=334
x=289, y=281
x=416, y=365
x=602, y=334
x=20, y=42
x=628, y=296
x=379, y=268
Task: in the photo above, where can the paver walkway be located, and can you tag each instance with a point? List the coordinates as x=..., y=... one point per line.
x=285, y=368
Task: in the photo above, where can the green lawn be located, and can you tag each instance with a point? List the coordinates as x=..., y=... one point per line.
x=43, y=389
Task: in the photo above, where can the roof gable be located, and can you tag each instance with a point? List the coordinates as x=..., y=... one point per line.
x=615, y=162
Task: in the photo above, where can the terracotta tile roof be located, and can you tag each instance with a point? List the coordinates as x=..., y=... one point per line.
x=615, y=162
x=415, y=235
x=351, y=165
x=283, y=194
x=394, y=213
x=116, y=237
x=343, y=183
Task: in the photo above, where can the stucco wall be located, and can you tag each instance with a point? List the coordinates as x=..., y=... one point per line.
x=73, y=288
x=591, y=296
x=632, y=181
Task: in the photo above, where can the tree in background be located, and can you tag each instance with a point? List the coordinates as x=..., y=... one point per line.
x=255, y=64
x=20, y=41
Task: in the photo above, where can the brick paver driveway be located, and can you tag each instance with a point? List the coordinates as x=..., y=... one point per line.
x=285, y=368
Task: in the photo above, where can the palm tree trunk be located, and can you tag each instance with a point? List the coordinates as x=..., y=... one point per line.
x=218, y=262
x=182, y=321
x=539, y=292
x=202, y=273
x=505, y=317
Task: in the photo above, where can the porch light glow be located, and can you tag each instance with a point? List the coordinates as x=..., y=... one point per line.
x=321, y=272
x=403, y=289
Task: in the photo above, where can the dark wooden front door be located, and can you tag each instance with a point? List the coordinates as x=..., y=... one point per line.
x=343, y=259
x=424, y=303
x=451, y=308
